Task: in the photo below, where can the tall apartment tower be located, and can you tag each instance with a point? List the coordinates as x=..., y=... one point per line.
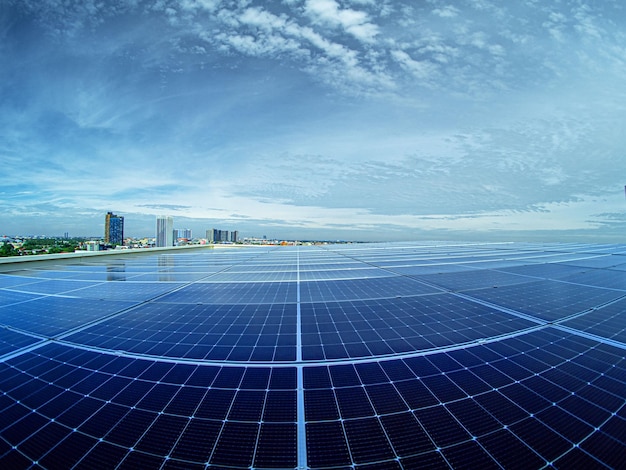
x=164, y=231
x=217, y=235
x=183, y=233
x=113, y=229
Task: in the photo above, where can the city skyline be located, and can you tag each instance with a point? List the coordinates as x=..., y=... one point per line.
x=315, y=119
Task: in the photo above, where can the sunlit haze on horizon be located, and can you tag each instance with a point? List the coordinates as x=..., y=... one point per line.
x=326, y=119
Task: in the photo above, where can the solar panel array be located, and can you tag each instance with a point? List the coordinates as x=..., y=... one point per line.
x=381, y=356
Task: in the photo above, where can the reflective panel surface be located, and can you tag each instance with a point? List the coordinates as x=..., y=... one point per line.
x=411, y=355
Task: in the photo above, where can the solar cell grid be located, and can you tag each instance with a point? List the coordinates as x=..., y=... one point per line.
x=52, y=315
x=476, y=279
x=33, y=276
x=259, y=268
x=235, y=293
x=139, y=291
x=115, y=275
x=343, y=274
x=355, y=361
x=264, y=277
x=547, y=300
x=605, y=278
x=619, y=267
x=607, y=321
x=12, y=280
x=598, y=261
x=12, y=340
x=165, y=277
x=429, y=269
x=388, y=326
x=383, y=287
x=544, y=270
x=199, y=331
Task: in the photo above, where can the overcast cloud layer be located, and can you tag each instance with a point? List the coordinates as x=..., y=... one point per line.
x=351, y=119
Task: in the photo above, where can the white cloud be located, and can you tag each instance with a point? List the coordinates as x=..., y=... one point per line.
x=262, y=19
x=586, y=23
x=448, y=11
x=357, y=23
x=556, y=25
x=198, y=103
x=420, y=69
x=194, y=5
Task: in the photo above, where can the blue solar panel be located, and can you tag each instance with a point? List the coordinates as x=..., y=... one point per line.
x=607, y=321
x=234, y=293
x=348, y=356
x=399, y=325
x=475, y=279
x=361, y=289
x=52, y=315
x=547, y=300
x=55, y=286
x=606, y=278
x=12, y=281
x=543, y=270
x=599, y=261
x=11, y=297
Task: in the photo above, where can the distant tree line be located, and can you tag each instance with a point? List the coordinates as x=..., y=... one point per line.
x=7, y=249
x=35, y=246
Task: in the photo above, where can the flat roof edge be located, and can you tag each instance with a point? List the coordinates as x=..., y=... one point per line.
x=12, y=262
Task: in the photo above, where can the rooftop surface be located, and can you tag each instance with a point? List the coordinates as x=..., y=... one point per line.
x=382, y=356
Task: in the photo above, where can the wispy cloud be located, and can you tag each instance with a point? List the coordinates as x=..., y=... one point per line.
x=315, y=113
x=160, y=207
x=355, y=22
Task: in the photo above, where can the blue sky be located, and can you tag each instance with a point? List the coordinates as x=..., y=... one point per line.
x=351, y=119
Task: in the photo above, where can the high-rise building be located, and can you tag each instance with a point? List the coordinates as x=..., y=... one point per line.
x=216, y=235
x=164, y=231
x=113, y=229
x=93, y=246
x=183, y=233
